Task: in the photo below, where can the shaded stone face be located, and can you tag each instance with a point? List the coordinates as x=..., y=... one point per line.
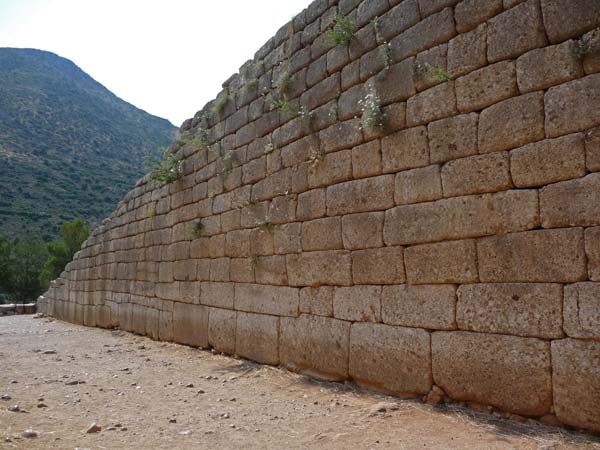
x=414, y=207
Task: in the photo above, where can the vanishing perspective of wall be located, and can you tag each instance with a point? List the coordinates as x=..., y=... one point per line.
x=413, y=204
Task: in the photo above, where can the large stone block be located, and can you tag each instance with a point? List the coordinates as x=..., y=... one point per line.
x=582, y=310
x=405, y=149
x=367, y=194
x=287, y=238
x=362, y=230
x=332, y=267
x=442, y=262
x=190, y=324
x=152, y=323
x=436, y=103
x=270, y=270
x=576, y=382
x=378, y=266
x=257, y=337
x=548, y=161
x=592, y=251
x=425, y=306
x=573, y=106
x=317, y=301
x=476, y=175
x=509, y=372
x=311, y=204
x=521, y=309
x=547, y=256
x=512, y=123
x=219, y=295
x=315, y=345
x=391, y=359
x=366, y=159
x=165, y=326
x=452, y=138
x=515, y=31
x=467, y=52
x=470, y=13
x=486, y=86
x=571, y=203
x=569, y=18
x=264, y=299
x=461, y=217
x=322, y=234
x=333, y=168
x=357, y=303
x=418, y=185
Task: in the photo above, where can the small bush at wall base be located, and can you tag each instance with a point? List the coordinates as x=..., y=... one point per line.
x=166, y=170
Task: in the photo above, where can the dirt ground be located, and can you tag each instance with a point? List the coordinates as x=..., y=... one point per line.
x=155, y=395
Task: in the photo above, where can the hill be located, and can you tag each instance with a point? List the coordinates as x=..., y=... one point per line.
x=68, y=146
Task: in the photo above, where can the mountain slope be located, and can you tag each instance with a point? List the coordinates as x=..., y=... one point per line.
x=68, y=146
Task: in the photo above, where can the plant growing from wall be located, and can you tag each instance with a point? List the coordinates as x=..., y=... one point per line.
x=316, y=155
x=440, y=74
x=342, y=31
x=197, y=229
x=266, y=226
x=588, y=43
x=373, y=117
x=220, y=103
x=167, y=170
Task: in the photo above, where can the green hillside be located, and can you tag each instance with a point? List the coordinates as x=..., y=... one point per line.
x=68, y=147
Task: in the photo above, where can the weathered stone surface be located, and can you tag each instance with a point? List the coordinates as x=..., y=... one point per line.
x=287, y=238
x=476, y=175
x=512, y=123
x=592, y=251
x=462, y=217
x=571, y=203
x=221, y=329
x=511, y=373
x=317, y=301
x=190, y=324
x=315, y=345
x=521, y=309
x=405, y=149
x=369, y=194
x=424, y=306
x=362, y=230
x=270, y=270
x=418, y=185
x=548, y=161
x=357, y=303
x=467, y=51
x=582, y=310
x=217, y=294
x=573, y=106
x=442, y=262
x=452, y=138
x=316, y=268
x=366, y=159
x=429, y=67
x=378, y=266
x=264, y=299
x=534, y=256
x=546, y=67
x=165, y=326
x=152, y=318
x=515, y=31
x=391, y=359
x=569, y=18
x=576, y=382
x=311, y=204
x=322, y=234
x=470, y=13
x=433, y=104
x=257, y=337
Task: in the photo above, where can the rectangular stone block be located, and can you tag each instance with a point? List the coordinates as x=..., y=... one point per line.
x=317, y=301
x=394, y=84
x=512, y=123
x=190, y=324
x=452, y=138
x=257, y=338
x=418, y=185
x=219, y=295
x=592, y=251
x=362, y=230
x=509, y=372
x=573, y=106
x=565, y=19
x=424, y=306
x=270, y=270
x=331, y=267
x=467, y=51
x=152, y=323
x=219, y=269
x=470, y=13
x=322, y=234
x=461, y=217
x=287, y=238
x=521, y=309
x=366, y=159
x=333, y=168
x=546, y=256
x=315, y=345
x=582, y=310
x=378, y=266
x=576, y=382
x=548, y=161
x=571, y=203
x=264, y=299
x=357, y=303
x=476, y=175
x=165, y=326
x=405, y=149
x=442, y=262
x=391, y=359
x=311, y=204
x=427, y=68
x=515, y=31
x=486, y=86
x=368, y=194
x=138, y=319
x=436, y=103
x=546, y=67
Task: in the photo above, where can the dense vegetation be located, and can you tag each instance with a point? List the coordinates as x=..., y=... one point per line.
x=68, y=147
x=27, y=265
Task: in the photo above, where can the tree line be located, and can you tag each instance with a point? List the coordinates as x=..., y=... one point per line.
x=27, y=265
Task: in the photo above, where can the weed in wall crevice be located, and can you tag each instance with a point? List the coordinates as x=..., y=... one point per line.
x=316, y=155
x=373, y=118
x=166, y=170
x=342, y=31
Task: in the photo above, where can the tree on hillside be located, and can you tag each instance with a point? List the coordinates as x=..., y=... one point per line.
x=61, y=253
x=21, y=266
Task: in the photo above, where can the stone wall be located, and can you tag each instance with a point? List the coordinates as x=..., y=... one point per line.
x=456, y=247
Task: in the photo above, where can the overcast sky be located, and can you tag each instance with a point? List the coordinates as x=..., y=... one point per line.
x=168, y=57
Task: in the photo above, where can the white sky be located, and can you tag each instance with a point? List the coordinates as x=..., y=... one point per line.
x=168, y=57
